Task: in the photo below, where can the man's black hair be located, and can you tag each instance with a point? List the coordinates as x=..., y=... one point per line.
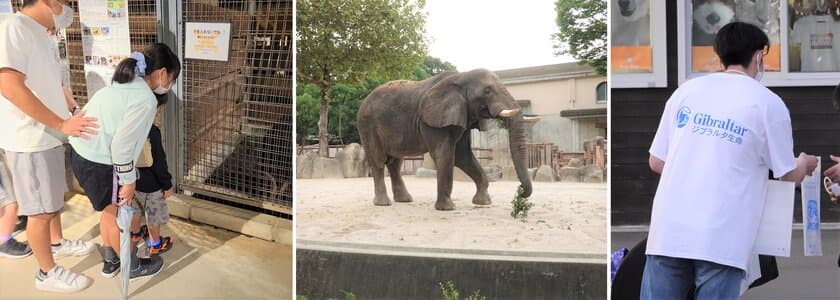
x=737, y=42
x=28, y=2
x=835, y=99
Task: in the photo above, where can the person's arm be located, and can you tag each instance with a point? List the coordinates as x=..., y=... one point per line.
x=127, y=143
x=656, y=164
x=778, y=149
x=659, y=147
x=834, y=171
x=159, y=168
x=13, y=88
x=805, y=164
x=72, y=106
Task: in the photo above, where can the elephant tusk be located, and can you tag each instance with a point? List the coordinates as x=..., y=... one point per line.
x=509, y=113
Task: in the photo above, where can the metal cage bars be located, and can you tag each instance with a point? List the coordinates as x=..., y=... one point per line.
x=237, y=117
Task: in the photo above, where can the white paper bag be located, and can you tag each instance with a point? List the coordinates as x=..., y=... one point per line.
x=753, y=274
x=776, y=226
x=811, y=236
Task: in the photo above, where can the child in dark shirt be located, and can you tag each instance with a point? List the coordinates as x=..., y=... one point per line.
x=154, y=185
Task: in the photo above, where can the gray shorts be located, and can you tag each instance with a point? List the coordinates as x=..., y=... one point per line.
x=157, y=212
x=38, y=180
x=6, y=196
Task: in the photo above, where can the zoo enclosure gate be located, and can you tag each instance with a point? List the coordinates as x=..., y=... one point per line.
x=228, y=132
x=237, y=115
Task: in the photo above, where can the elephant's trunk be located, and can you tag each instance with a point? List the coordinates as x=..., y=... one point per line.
x=516, y=134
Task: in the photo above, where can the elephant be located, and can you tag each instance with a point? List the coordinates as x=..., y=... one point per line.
x=409, y=118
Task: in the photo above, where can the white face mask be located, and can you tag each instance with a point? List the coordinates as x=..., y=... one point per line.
x=160, y=90
x=760, y=72
x=65, y=18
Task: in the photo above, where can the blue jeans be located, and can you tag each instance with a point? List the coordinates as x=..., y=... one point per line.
x=672, y=278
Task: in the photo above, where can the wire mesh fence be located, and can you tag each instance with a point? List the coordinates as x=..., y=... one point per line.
x=238, y=113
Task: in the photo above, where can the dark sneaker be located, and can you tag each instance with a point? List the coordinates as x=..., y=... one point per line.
x=111, y=263
x=20, y=226
x=146, y=267
x=14, y=249
x=110, y=269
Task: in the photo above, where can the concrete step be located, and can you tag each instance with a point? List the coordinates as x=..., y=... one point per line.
x=247, y=222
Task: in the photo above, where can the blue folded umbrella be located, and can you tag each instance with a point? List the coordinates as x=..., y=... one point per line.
x=124, y=215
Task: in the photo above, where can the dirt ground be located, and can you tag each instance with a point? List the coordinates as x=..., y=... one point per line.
x=566, y=217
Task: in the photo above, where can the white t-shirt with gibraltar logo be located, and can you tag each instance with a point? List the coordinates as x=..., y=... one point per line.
x=719, y=136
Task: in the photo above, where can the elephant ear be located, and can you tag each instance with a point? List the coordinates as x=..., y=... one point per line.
x=443, y=105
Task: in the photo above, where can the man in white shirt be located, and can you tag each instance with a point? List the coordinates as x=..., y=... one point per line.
x=36, y=120
x=719, y=136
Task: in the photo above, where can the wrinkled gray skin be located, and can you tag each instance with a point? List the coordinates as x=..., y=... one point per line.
x=408, y=118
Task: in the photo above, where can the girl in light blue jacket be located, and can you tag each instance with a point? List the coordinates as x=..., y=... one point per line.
x=104, y=164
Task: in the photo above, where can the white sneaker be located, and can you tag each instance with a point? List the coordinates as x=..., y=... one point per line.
x=72, y=248
x=61, y=280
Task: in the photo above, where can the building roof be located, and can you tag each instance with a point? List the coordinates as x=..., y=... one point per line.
x=546, y=72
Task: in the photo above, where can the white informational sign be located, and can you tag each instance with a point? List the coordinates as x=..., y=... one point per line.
x=207, y=41
x=811, y=191
x=776, y=226
x=105, y=39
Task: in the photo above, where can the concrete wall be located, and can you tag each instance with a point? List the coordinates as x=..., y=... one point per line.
x=588, y=128
x=553, y=96
x=325, y=274
x=586, y=93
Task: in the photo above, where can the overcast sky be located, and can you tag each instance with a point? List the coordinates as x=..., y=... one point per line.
x=492, y=34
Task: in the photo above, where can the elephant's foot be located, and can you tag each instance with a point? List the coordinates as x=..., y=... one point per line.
x=381, y=200
x=401, y=195
x=481, y=198
x=445, y=204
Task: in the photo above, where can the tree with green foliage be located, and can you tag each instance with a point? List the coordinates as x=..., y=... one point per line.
x=307, y=101
x=348, y=41
x=583, y=31
x=431, y=66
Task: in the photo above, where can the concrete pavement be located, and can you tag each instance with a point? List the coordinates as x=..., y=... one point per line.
x=205, y=263
x=800, y=277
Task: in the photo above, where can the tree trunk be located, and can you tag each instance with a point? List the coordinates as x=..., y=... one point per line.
x=323, y=119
